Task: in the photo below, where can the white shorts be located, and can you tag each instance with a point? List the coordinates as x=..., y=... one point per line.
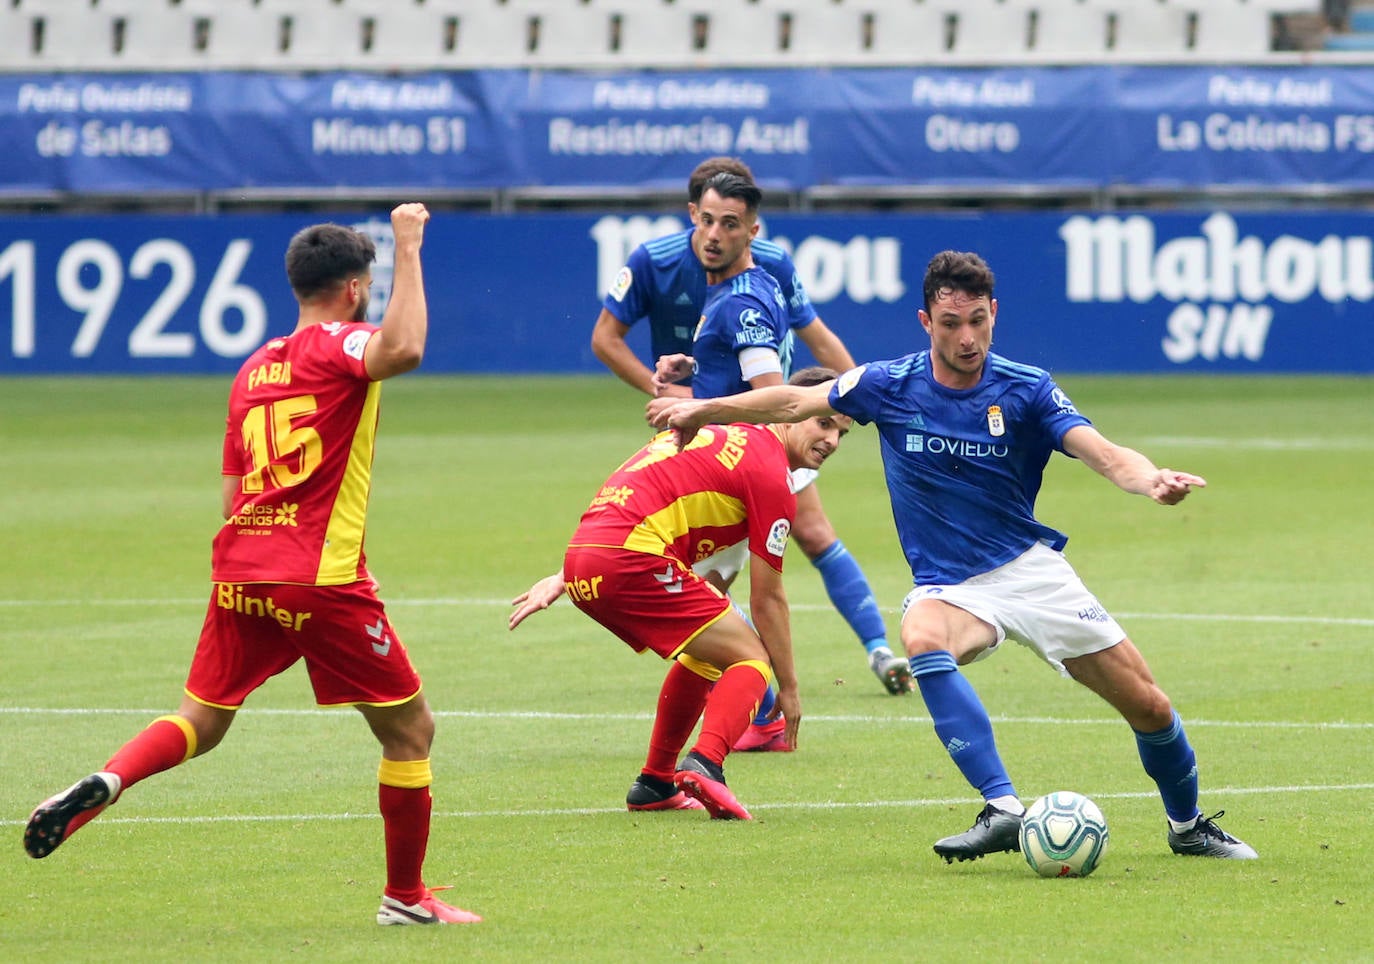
x=726, y=563
x=1036, y=599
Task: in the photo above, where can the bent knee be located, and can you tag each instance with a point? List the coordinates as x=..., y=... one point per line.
x=918, y=639
x=1153, y=713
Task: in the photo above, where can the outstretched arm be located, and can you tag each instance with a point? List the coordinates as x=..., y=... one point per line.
x=777, y=403
x=1128, y=469
x=541, y=595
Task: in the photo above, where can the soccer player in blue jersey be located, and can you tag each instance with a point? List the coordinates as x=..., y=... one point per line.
x=665, y=281
x=965, y=437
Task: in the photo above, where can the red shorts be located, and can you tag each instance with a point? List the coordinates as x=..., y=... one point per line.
x=254, y=631
x=651, y=602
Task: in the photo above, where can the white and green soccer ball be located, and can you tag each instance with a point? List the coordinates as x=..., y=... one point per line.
x=1063, y=834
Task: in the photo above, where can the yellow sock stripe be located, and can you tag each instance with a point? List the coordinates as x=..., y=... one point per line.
x=764, y=669
x=704, y=670
x=405, y=774
x=187, y=730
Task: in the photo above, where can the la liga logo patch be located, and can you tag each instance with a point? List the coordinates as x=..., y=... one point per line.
x=777, y=536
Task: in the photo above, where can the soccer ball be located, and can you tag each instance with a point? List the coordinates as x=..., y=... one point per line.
x=1063, y=834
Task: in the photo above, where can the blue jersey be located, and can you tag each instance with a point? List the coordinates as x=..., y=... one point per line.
x=964, y=466
x=746, y=311
x=666, y=283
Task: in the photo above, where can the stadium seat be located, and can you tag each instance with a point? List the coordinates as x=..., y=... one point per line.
x=1229, y=31
x=1068, y=34
x=987, y=32
x=409, y=37
x=744, y=36
x=166, y=38
x=16, y=26
x=655, y=35
x=908, y=35
x=321, y=38
x=1150, y=31
x=243, y=38
x=569, y=37
x=68, y=38
x=820, y=35
x=483, y=33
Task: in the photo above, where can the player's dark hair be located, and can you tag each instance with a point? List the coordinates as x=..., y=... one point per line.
x=814, y=375
x=957, y=271
x=729, y=185
x=709, y=168
x=325, y=255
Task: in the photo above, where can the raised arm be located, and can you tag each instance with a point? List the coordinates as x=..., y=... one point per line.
x=1128, y=469
x=400, y=345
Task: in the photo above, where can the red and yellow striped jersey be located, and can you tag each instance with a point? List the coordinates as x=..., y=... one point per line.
x=730, y=483
x=299, y=435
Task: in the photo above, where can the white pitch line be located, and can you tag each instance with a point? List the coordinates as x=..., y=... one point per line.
x=545, y=715
x=817, y=805
x=799, y=607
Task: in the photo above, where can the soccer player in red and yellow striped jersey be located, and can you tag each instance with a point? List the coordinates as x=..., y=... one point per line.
x=290, y=576
x=630, y=564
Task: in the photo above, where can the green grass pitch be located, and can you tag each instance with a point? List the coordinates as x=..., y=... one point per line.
x=1251, y=601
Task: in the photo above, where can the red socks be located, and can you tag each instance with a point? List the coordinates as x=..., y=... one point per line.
x=404, y=799
x=167, y=742
x=730, y=708
x=680, y=702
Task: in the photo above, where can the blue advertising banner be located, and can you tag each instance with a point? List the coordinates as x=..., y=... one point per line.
x=1204, y=291
x=1086, y=127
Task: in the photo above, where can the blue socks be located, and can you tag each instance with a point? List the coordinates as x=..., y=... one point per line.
x=1170, y=762
x=961, y=723
x=850, y=594
x=963, y=727
x=766, y=705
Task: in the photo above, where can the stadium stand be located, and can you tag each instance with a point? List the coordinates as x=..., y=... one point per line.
x=42, y=37
x=1358, y=34
x=426, y=34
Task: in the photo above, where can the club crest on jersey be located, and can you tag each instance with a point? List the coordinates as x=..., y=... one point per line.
x=996, y=427
x=777, y=536
x=621, y=284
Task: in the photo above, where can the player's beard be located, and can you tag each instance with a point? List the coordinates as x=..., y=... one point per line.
x=360, y=312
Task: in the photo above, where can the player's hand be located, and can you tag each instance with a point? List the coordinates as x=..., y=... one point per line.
x=1170, y=488
x=408, y=223
x=683, y=416
x=788, y=706
x=656, y=412
x=670, y=369
x=541, y=595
